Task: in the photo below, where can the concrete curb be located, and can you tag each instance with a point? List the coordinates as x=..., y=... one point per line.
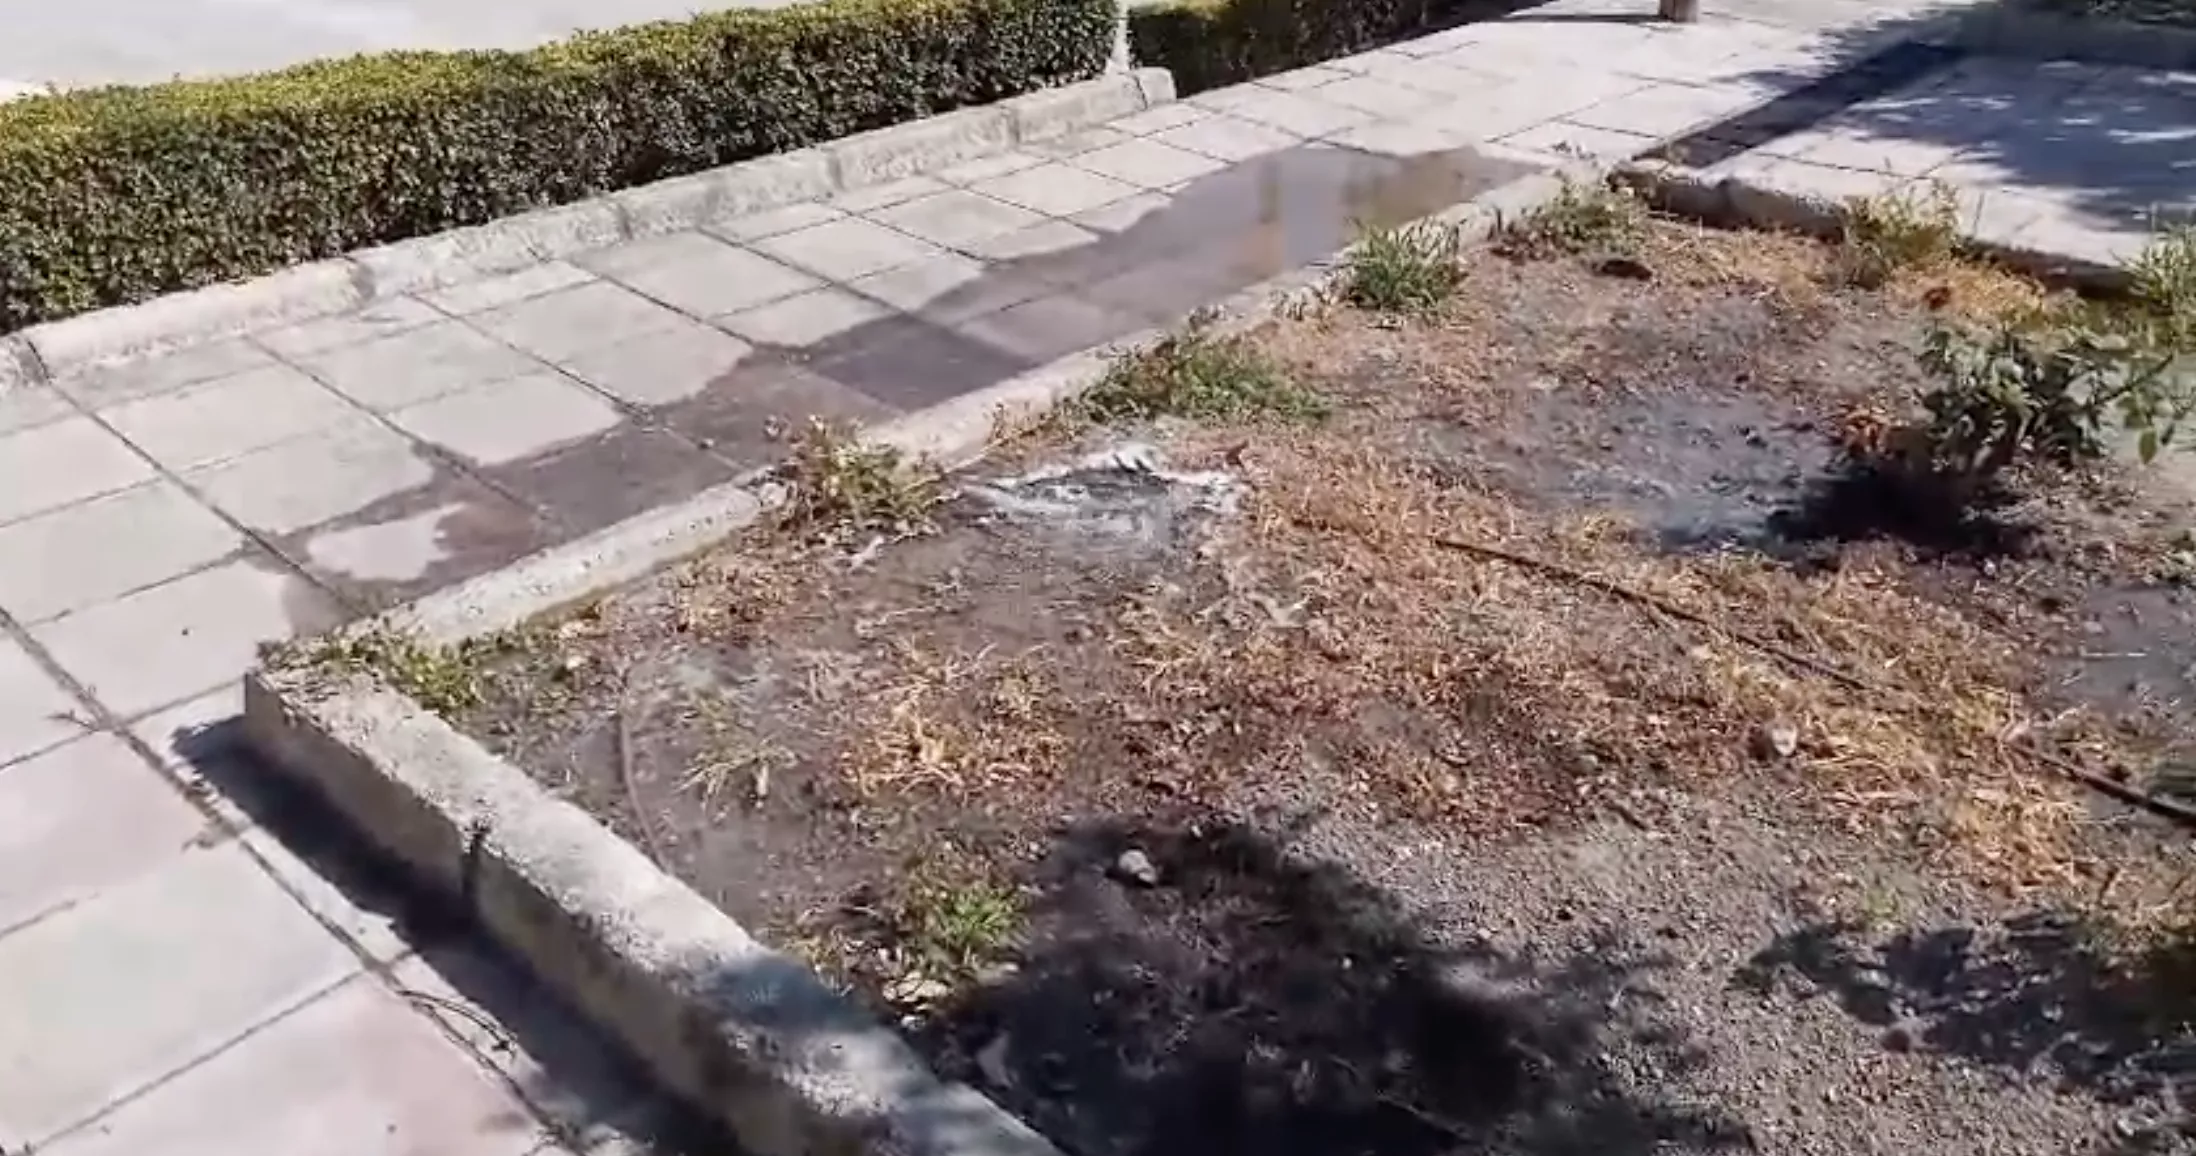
x=750, y=1036
x=68, y=347
x=1742, y=200
x=2034, y=34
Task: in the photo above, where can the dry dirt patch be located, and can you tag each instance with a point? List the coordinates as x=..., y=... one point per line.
x=1456, y=746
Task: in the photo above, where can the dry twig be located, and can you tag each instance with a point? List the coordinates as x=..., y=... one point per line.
x=2142, y=800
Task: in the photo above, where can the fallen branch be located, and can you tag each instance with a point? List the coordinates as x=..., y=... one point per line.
x=2179, y=813
x=1617, y=589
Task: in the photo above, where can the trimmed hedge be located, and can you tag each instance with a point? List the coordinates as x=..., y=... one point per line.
x=114, y=195
x=1209, y=43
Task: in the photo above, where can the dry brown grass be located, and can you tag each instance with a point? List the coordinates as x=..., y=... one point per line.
x=1327, y=639
x=1510, y=696
x=958, y=724
x=1800, y=270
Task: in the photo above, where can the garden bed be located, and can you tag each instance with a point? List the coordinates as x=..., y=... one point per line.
x=1486, y=728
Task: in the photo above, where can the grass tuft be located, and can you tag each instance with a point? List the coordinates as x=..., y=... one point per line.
x=956, y=929
x=2163, y=279
x=1200, y=376
x=1581, y=218
x=447, y=680
x=1411, y=270
x=1884, y=234
x=842, y=484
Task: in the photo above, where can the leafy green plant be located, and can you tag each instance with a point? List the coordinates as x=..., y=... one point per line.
x=840, y=483
x=2055, y=394
x=112, y=195
x=1880, y=235
x=1198, y=375
x=2163, y=279
x=1580, y=218
x=955, y=929
x=1407, y=270
x=447, y=680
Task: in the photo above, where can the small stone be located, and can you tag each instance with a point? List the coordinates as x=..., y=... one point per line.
x=1777, y=740
x=915, y=991
x=1136, y=867
x=1899, y=1039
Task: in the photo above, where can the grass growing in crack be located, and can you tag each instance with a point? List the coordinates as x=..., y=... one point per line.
x=1412, y=270
x=839, y=483
x=447, y=680
x=1201, y=376
x=1581, y=218
x=1883, y=234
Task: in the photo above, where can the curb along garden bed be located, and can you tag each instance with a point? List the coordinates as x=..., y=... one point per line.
x=1493, y=710
x=112, y=196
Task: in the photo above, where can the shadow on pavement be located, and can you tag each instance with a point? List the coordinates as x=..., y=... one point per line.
x=583, y=1086
x=2113, y=143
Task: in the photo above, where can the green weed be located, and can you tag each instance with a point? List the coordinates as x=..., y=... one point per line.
x=1411, y=270
x=1590, y=218
x=1883, y=234
x=1200, y=376
x=839, y=483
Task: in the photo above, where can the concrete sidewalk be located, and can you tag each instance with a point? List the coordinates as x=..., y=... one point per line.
x=189, y=959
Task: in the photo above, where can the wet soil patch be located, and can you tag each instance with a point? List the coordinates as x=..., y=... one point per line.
x=1451, y=775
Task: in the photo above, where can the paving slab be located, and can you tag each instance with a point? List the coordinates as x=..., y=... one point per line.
x=469, y=297
x=420, y=540
x=845, y=249
x=83, y=818
x=196, y=745
x=957, y=216
x=558, y=325
x=358, y=1072
x=60, y=463
x=419, y=364
x=104, y=386
x=505, y=421
x=26, y=406
x=68, y=559
x=179, y=639
x=2105, y=154
x=229, y=416
x=36, y=710
x=694, y=273
x=380, y=319
x=805, y=319
x=662, y=367
x=146, y=979
x=315, y=479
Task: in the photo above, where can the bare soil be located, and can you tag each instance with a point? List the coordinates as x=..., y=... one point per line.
x=1540, y=755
